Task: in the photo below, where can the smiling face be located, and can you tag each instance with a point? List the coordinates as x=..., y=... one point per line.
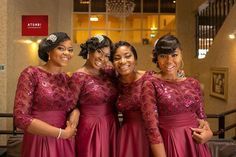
x=61, y=55
x=99, y=58
x=170, y=63
x=124, y=61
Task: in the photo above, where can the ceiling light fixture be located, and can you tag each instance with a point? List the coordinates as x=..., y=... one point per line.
x=120, y=8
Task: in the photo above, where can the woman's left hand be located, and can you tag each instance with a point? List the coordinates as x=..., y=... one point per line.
x=74, y=117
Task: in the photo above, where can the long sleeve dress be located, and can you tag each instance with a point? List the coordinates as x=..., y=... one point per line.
x=137, y=129
x=98, y=123
x=179, y=104
x=44, y=96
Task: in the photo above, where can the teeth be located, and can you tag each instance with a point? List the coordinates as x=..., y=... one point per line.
x=170, y=67
x=65, y=58
x=125, y=67
x=98, y=63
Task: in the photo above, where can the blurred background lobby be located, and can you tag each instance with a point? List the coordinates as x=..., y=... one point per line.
x=206, y=29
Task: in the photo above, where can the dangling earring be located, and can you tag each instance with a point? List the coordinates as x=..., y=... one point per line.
x=180, y=72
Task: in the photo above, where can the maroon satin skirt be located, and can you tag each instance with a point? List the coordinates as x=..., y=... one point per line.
x=132, y=139
x=177, y=136
x=44, y=146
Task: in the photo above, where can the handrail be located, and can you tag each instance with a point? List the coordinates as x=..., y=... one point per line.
x=220, y=132
x=221, y=123
x=6, y=114
x=14, y=131
x=221, y=114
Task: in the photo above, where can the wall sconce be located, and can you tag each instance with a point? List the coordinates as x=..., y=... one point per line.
x=232, y=35
x=152, y=35
x=154, y=28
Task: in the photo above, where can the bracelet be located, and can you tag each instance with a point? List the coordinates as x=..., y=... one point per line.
x=59, y=135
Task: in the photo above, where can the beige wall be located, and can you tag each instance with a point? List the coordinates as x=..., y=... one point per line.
x=221, y=54
x=3, y=60
x=3, y=53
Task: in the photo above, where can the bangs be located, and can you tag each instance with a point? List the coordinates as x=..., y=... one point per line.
x=165, y=50
x=166, y=47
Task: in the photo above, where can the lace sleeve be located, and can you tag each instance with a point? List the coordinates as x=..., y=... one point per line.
x=24, y=99
x=200, y=102
x=76, y=84
x=149, y=112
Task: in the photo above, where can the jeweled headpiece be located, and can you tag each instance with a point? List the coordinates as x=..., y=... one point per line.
x=99, y=37
x=52, y=38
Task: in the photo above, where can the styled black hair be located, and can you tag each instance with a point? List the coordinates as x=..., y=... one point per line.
x=94, y=43
x=167, y=44
x=123, y=43
x=51, y=42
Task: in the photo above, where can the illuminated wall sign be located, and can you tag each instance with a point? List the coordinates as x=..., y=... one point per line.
x=34, y=25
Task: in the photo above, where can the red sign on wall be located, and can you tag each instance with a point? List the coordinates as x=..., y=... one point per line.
x=34, y=25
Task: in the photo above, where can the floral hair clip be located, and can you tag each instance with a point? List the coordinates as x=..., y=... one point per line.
x=52, y=38
x=99, y=37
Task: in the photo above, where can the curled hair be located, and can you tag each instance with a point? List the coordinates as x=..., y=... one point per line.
x=123, y=43
x=51, y=42
x=167, y=44
x=94, y=43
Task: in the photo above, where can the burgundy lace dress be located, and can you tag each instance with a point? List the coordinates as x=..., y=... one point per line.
x=132, y=138
x=44, y=96
x=179, y=104
x=98, y=123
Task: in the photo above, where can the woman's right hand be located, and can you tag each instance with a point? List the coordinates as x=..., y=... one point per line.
x=203, y=133
x=69, y=131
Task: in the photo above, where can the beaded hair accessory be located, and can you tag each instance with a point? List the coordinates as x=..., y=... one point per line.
x=52, y=38
x=99, y=37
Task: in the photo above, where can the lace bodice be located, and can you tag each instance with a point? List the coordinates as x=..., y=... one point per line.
x=179, y=97
x=129, y=95
x=38, y=90
x=171, y=98
x=130, y=100
x=93, y=92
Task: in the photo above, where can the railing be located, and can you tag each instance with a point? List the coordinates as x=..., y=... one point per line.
x=222, y=128
x=209, y=19
x=14, y=130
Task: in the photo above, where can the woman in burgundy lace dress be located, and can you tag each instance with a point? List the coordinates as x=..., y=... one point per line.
x=94, y=88
x=179, y=103
x=42, y=102
x=138, y=132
